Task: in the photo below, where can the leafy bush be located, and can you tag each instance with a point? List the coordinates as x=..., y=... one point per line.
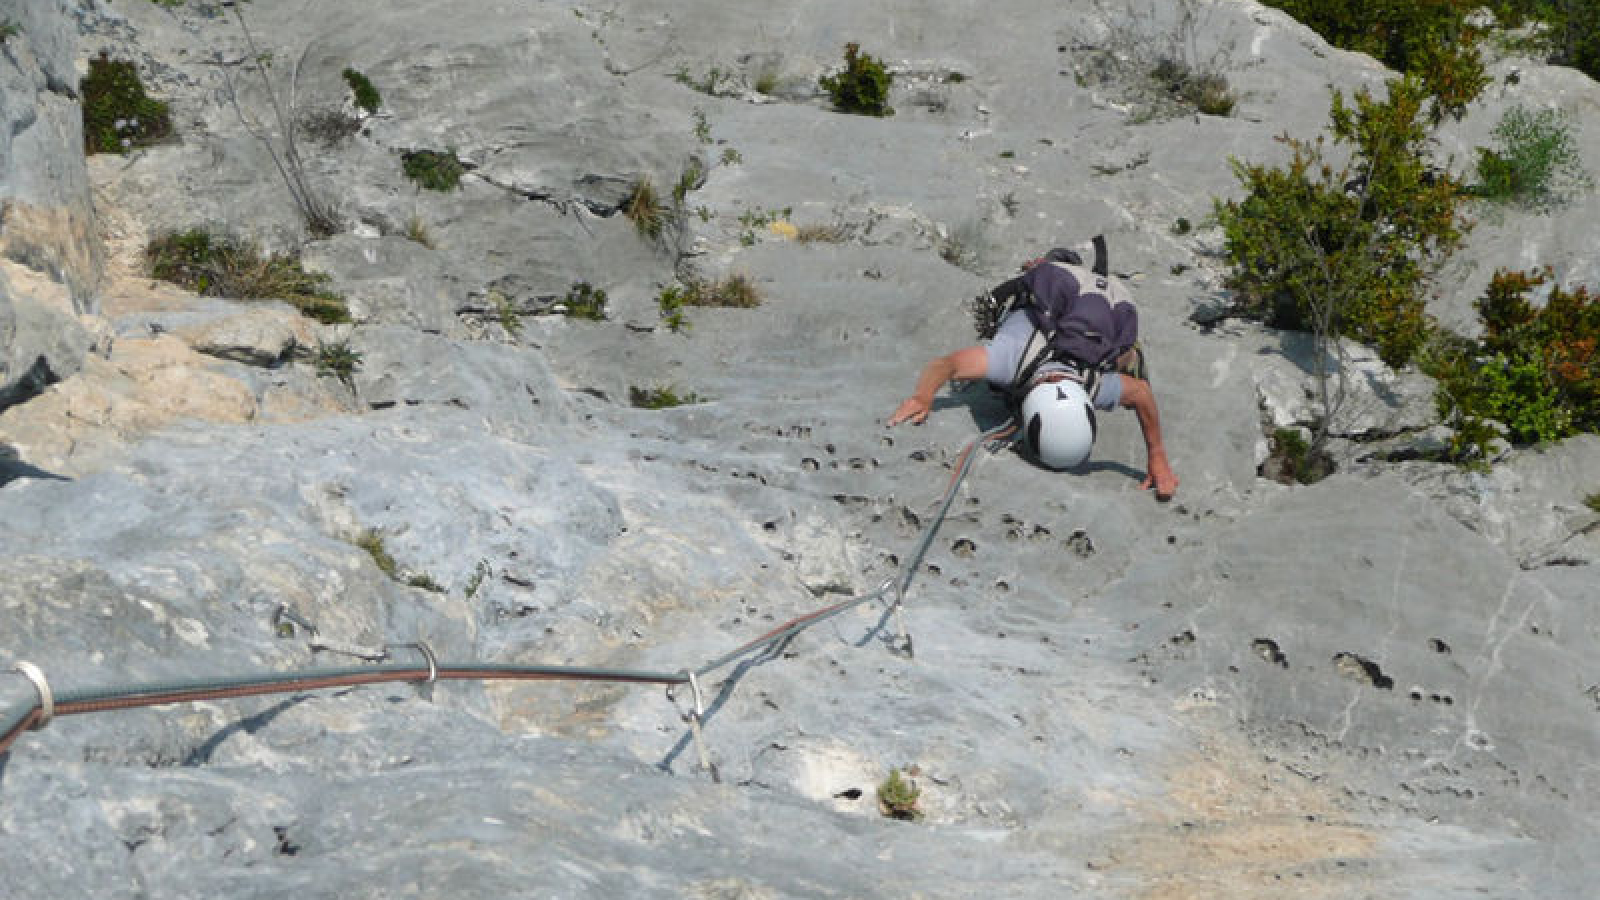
x=1535, y=160
x=117, y=114
x=221, y=266
x=1536, y=370
x=1569, y=32
x=1435, y=40
x=1350, y=247
x=366, y=95
x=585, y=302
x=898, y=797
x=432, y=169
x=863, y=87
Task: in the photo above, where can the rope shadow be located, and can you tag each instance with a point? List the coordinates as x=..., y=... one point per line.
x=725, y=690
x=201, y=755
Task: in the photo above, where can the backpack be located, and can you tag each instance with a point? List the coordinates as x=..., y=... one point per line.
x=1085, y=315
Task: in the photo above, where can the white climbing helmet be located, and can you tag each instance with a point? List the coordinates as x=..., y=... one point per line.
x=1058, y=424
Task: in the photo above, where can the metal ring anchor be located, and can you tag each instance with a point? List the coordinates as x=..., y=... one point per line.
x=427, y=654
x=47, y=700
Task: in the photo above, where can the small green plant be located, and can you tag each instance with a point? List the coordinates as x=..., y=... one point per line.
x=898, y=797
x=731, y=157
x=1182, y=226
x=1008, y=154
x=585, y=302
x=645, y=209
x=1535, y=161
x=475, y=580
x=766, y=81
x=426, y=582
x=863, y=87
x=371, y=540
x=954, y=78
x=506, y=313
x=117, y=113
x=658, y=398
x=671, y=303
x=338, y=359
x=702, y=126
x=432, y=169
x=1593, y=502
x=1292, y=461
x=222, y=266
x=692, y=178
x=714, y=83
x=1207, y=92
x=9, y=30
x=366, y=95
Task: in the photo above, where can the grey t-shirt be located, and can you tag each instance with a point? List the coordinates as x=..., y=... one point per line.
x=1007, y=346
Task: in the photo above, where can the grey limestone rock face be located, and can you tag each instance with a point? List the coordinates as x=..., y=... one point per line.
x=1378, y=685
x=53, y=257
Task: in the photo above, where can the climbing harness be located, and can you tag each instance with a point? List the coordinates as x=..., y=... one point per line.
x=381, y=669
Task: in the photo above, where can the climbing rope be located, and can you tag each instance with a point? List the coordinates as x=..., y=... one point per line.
x=50, y=702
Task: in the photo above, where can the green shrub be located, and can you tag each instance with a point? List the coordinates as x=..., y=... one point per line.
x=117, y=114
x=1535, y=370
x=1568, y=32
x=432, y=169
x=1364, y=237
x=658, y=398
x=1434, y=40
x=222, y=266
x=1535, y=160
x=863, y=87
x=585, y=302
x=366, y=95
x=338, y=359
x=898, y=797
x=671, y=302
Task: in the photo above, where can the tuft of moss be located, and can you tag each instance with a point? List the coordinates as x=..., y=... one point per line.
x=117, y=113
x=222, y=266
x=366, y=95
x=1593, y=502
x=371, y=540
x=433, y=169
